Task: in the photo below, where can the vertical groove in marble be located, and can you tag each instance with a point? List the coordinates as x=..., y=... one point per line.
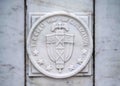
x=94, y=42
x=25, y=41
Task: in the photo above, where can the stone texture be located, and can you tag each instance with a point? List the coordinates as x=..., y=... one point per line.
x=107, y=60
x=11, y=42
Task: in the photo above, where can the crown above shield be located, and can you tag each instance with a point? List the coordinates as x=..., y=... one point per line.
x=59, y=25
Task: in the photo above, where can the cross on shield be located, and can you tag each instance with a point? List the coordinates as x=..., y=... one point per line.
x=60, y=47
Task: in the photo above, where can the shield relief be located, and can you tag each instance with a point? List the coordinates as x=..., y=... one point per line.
x=60, y=45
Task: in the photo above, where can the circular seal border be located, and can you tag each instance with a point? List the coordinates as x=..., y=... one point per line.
x=84, y=62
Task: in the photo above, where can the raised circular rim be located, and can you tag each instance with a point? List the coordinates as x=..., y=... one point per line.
x=72, y=72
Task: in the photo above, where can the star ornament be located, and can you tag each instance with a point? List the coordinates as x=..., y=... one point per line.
x=49, y=67
x=79, y=61
x=71, y=67
x=35, y=52
x=40, y=61
x=84, y=51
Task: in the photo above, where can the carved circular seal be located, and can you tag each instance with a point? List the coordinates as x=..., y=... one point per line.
x=59, y=45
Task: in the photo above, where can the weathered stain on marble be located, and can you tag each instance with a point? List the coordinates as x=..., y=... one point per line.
x=7, y=66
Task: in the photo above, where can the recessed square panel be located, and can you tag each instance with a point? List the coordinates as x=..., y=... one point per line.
x=86, y=18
